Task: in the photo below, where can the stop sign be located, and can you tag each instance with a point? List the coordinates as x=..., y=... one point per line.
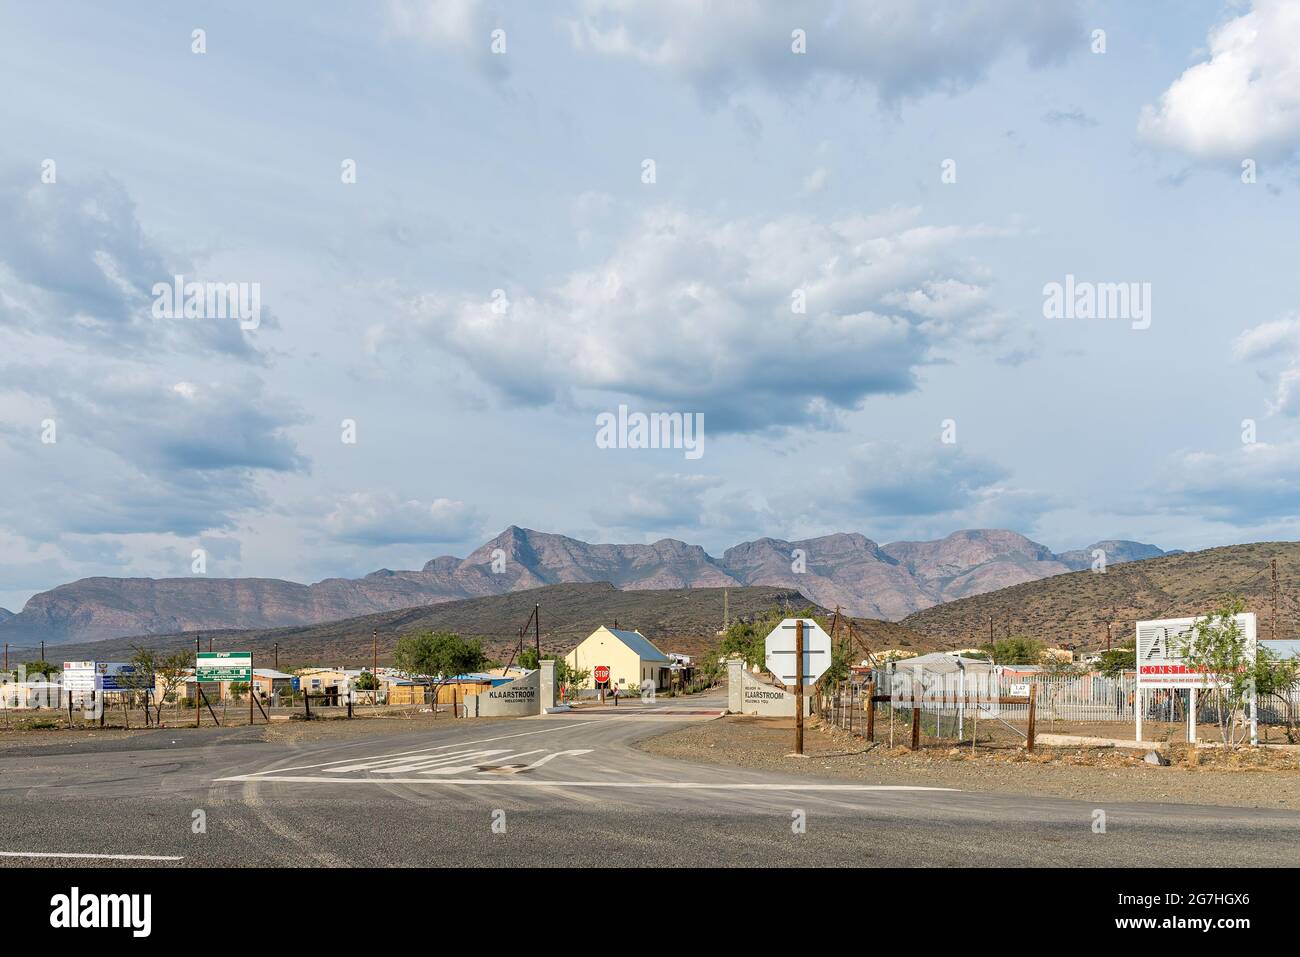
x=602, y=673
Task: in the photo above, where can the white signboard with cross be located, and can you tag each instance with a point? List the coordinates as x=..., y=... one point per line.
x=779, y=655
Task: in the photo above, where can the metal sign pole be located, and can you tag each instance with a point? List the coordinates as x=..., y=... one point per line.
x=798, y=687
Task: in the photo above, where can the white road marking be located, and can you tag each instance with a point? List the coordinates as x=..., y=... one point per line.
x=532, y=783
x=99, y=857
x=440, y=747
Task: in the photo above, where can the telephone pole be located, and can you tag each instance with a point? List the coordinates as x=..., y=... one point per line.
x=277, y=656
x=1273, y=563
x=537, y=632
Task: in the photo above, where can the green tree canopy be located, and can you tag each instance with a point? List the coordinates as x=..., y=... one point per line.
x=438, y=656
x=1016, y=650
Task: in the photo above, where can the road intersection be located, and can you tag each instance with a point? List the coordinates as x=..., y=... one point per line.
x=565, y=789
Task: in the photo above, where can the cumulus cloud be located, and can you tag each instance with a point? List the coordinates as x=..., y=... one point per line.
x=76, y=267
x=888, y=486
x=694, y=315
x=1277, y=344
x=1255, y=484
x=1242, y=102
x=134, y=452
x=899, y=48
x=386, y=518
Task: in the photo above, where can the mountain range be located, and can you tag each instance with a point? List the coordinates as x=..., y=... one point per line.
x=848, y=570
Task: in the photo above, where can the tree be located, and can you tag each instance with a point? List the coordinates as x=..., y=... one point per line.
x=528, y=659
x=437, y=657
x=1016, y=650
x=568, y=677
x=170, y=673
x=366, y=682
x=1116, y=661
x=42, y=668
x=1216, y=646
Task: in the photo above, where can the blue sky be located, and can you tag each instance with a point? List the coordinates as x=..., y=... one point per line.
x=521, y=171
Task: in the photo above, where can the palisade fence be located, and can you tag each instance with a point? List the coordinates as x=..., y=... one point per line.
x=1087, y=698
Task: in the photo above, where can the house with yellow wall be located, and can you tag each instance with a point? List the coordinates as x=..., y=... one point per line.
x=630, y=656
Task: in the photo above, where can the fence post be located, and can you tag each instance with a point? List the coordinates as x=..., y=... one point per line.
x=916, y=727
x=1033, y=708
x=871, y=710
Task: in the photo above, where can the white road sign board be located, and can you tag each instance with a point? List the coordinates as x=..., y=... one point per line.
x=779, y=654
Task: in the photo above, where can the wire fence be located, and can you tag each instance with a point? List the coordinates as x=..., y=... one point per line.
x=947, y=710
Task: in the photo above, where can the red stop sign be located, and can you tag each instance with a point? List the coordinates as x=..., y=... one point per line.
x=602, y=673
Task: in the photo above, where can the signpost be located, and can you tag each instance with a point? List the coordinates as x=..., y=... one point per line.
x=798, y=652
x=1160, y=665
x=224, y=666
x=601, y=673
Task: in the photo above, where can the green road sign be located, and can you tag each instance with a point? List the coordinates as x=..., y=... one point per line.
x=225, y=666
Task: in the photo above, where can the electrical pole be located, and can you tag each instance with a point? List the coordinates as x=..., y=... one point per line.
x=42, y=651
x=198, y=715
x=374, y=656
x=277, y=656
x=1274, y=564
x=537, y=632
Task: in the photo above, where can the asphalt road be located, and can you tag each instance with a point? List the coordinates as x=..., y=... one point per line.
x=560, y=790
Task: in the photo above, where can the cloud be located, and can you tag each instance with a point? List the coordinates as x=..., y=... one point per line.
x=1279, y=341
x=1244, y=101
x=464, y=26
x=901, y=49
x=134, y=452
x=385, y=518
x=890, y=487
x=694, y=315
x=1256, y=484
x=76, y=267
x=658, y=502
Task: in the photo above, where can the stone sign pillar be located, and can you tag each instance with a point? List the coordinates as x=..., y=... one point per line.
x=735, y=685
x=547, y=667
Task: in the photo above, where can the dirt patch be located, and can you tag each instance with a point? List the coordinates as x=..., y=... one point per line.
x=35, y=732
x=1271, y=778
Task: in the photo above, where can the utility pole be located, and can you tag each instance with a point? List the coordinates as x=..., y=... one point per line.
x=42, y=651
x=537, y=632
x=277, y=656
x=6, y=656
x=1108, y=636
x=374, y=656
x=726, y=608
x=798, y=686
x=198, y=715
x=1273, y=563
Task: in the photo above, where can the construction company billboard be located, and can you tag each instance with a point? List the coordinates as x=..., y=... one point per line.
x=1159, y=661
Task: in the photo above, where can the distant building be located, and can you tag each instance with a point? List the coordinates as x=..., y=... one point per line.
x=630, y=656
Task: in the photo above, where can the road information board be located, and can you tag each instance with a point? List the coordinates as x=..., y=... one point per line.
x=225, y=666
x=80, y=677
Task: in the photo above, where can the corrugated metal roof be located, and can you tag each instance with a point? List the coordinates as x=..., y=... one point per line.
x=639, y=643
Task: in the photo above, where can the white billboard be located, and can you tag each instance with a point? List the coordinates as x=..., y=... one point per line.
x=1159, y=661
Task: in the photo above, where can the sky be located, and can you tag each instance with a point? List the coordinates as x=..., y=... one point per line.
x=831, y=229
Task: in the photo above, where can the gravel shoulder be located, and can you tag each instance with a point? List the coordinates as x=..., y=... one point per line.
x=1253, y=778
